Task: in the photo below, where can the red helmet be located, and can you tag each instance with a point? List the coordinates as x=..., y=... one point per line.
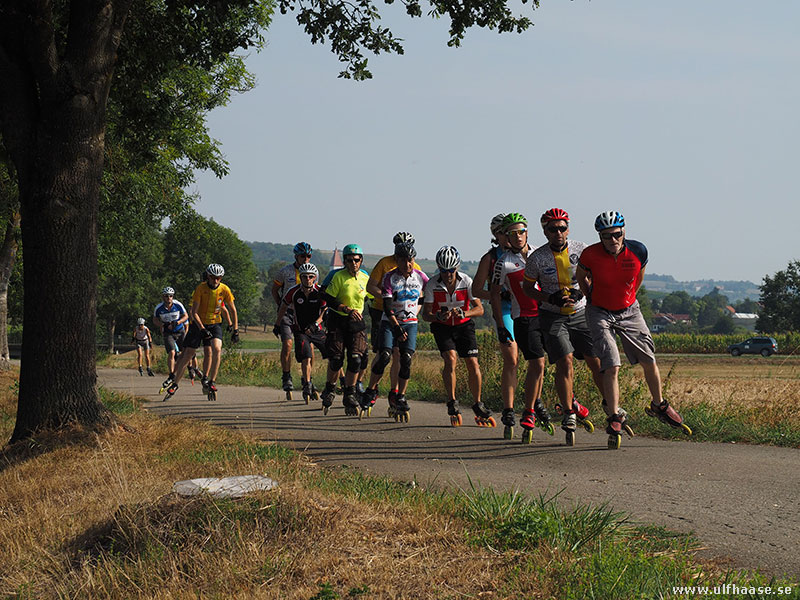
x=554, y=214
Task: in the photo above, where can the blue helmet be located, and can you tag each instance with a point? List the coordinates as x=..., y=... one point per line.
x=609, y=219
x=302, y=248
x=352, y=249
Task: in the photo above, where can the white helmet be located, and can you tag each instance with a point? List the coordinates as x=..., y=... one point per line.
x=140, y=321
x=448, y=258
x=609, y=219
x=307, y=268
x=215, y=270
x=402, y=237
x=496, y=225
x=167, y=291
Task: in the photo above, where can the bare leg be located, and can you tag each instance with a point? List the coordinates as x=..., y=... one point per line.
x=565, y=373
x=449, y=373
x=652, y=376
x=508, y=380
x=475, y=379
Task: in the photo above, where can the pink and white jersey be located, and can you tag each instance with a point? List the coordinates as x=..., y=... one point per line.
x=403, y=294
x=509, y=271
x=436, y=293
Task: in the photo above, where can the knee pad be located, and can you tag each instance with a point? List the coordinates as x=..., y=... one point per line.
x=383, y=358
x=335, y=363
x=353, y=363
x=405, y=364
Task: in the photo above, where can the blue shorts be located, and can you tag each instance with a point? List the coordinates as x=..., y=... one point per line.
x=508, y=322
x=388, y=340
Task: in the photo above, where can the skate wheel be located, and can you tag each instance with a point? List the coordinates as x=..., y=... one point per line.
x=212, y=396
x=614, y=442
x=629, y=431
x=325, y=410
x=405, y=417
x=548, y=428
x=455, y=420
x=508, y=433
x=686, y=429
x=316, y=396
x=527, y=436
x=288, y=395
x=570, y=438
x=306, y=398
x=588, y=425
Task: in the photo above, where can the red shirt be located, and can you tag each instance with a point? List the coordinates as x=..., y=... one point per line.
x=614, y=277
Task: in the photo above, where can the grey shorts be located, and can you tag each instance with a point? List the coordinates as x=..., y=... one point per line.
x=632, y=330
x=286, y=326
x=566, y=334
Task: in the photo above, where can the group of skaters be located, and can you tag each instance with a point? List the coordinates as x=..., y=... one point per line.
x=566, y=299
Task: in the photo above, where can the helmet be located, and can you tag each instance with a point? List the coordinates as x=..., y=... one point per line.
x=512, y=219
x=496, y=226
x=302, y=248
x=167, y=291
x=352, y=249
x=609, y=219
x=554, y=214
x=307, y=268
x=448, y=258
x=215, y=270
x=403, y=236
x=140, y=321
x=405, y=250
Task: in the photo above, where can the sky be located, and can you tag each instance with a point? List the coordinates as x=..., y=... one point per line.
x=682, y=115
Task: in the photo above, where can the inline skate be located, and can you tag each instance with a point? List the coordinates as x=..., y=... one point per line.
x=212, y=391
x=327, y=397
x=454, y=413
x=666, y=414
x=508, y=419
x=483, y=416
x=167, y=382
x=368, y=398
x=173, y=387
x=614, y=431
x=287, y=385
x=398, y=408
x=528, y=423
x=349, y=401
x=543, y=417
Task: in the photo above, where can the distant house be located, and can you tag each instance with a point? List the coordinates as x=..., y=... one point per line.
x=336, y=259
x=663, y=320
x=747, y=320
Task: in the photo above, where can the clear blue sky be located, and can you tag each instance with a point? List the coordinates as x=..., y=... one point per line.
x=683, y=115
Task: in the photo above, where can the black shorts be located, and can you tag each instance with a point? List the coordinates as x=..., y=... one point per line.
x=195, y=336
x=460, y=338
x=529, y=337
x=341, y=338
x=375, y=316
x=566, y=334
x=173, y=341
x=304, y=344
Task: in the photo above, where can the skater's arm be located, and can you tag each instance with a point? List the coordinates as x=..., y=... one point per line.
x=476, y=310
x=231, y=308
x=427, y=312
x=276, y=292
x=479, y=282
x=584, y=279
x=639, y=280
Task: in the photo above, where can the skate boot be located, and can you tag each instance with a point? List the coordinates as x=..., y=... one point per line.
x=666, y=414
x=483, y=416
x=509, y=420
x=306, y=391
x=141, y=371
x=341, y=386
x=623, y=415
x=528, y=422
x=349, y=401
x=195, y=373
x=150, y=372
x=212, y=391
x=614, y=431
x=401, y=409
x=173, y=387
x=288, y=386
x=167, y=382
x=454, y=413
x=543, y=417
x=367, y=402
x=569, y=423
x=360, y=389
x=582, y=416
x=204, y=383
x=391, y=397
x=314, y=391
x=327, y=397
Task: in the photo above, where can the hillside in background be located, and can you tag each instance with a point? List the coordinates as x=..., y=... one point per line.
x=734, y=290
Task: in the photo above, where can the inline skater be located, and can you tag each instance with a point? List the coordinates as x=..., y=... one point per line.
x=307, y=305
x=509, y=271
x=143, y=339
x=449, y=307
x=345, y=297
x=481, y=288
x=609, y=274
x=286, y=278
x=170, y=315
x=562, y=314
x=379, y=271
x=205, y=327
x=402, y=291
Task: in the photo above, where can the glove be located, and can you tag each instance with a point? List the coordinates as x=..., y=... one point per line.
x=277, y=330
x=442, y=314
x=207, y=335
x=459, y=312
x=558, y=298
x=503, y=336
x=171, y=326
x=505, y=295
x=575, y=294
x=397, y=331
x=235, y=336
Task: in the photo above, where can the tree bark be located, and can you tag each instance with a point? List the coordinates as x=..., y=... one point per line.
x=8, y=256
x=52, y=104
x=111, y=325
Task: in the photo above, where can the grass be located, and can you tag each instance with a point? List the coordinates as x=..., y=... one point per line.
x=101, y=522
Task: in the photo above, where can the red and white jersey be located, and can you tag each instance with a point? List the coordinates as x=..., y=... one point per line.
x=510, y=271
x=436, y=293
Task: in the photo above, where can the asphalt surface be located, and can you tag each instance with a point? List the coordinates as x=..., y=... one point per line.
x=740, y=501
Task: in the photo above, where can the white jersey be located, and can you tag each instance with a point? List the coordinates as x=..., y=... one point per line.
x=508, y=271
x=287, y=278
x=555, y=271
x=404, y=294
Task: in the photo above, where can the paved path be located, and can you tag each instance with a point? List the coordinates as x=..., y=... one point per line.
x=741, y=501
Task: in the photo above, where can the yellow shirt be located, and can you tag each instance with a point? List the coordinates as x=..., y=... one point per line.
x=386, y=264
x=211, y=301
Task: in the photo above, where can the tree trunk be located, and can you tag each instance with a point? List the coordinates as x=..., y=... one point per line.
x=112, y=328
x=52, y=110
x=8, y=256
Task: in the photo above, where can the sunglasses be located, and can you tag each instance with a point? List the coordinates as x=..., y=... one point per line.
x=447, y=270
x=557, y=228
x=352, y=259
x=517, y=231
x=304, y=255
x=607, y=236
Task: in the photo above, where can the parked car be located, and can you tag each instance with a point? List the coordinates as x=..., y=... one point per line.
x=765, y=346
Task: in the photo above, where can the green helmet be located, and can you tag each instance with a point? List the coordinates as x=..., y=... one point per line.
x=512, y=219
x=352, y=249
